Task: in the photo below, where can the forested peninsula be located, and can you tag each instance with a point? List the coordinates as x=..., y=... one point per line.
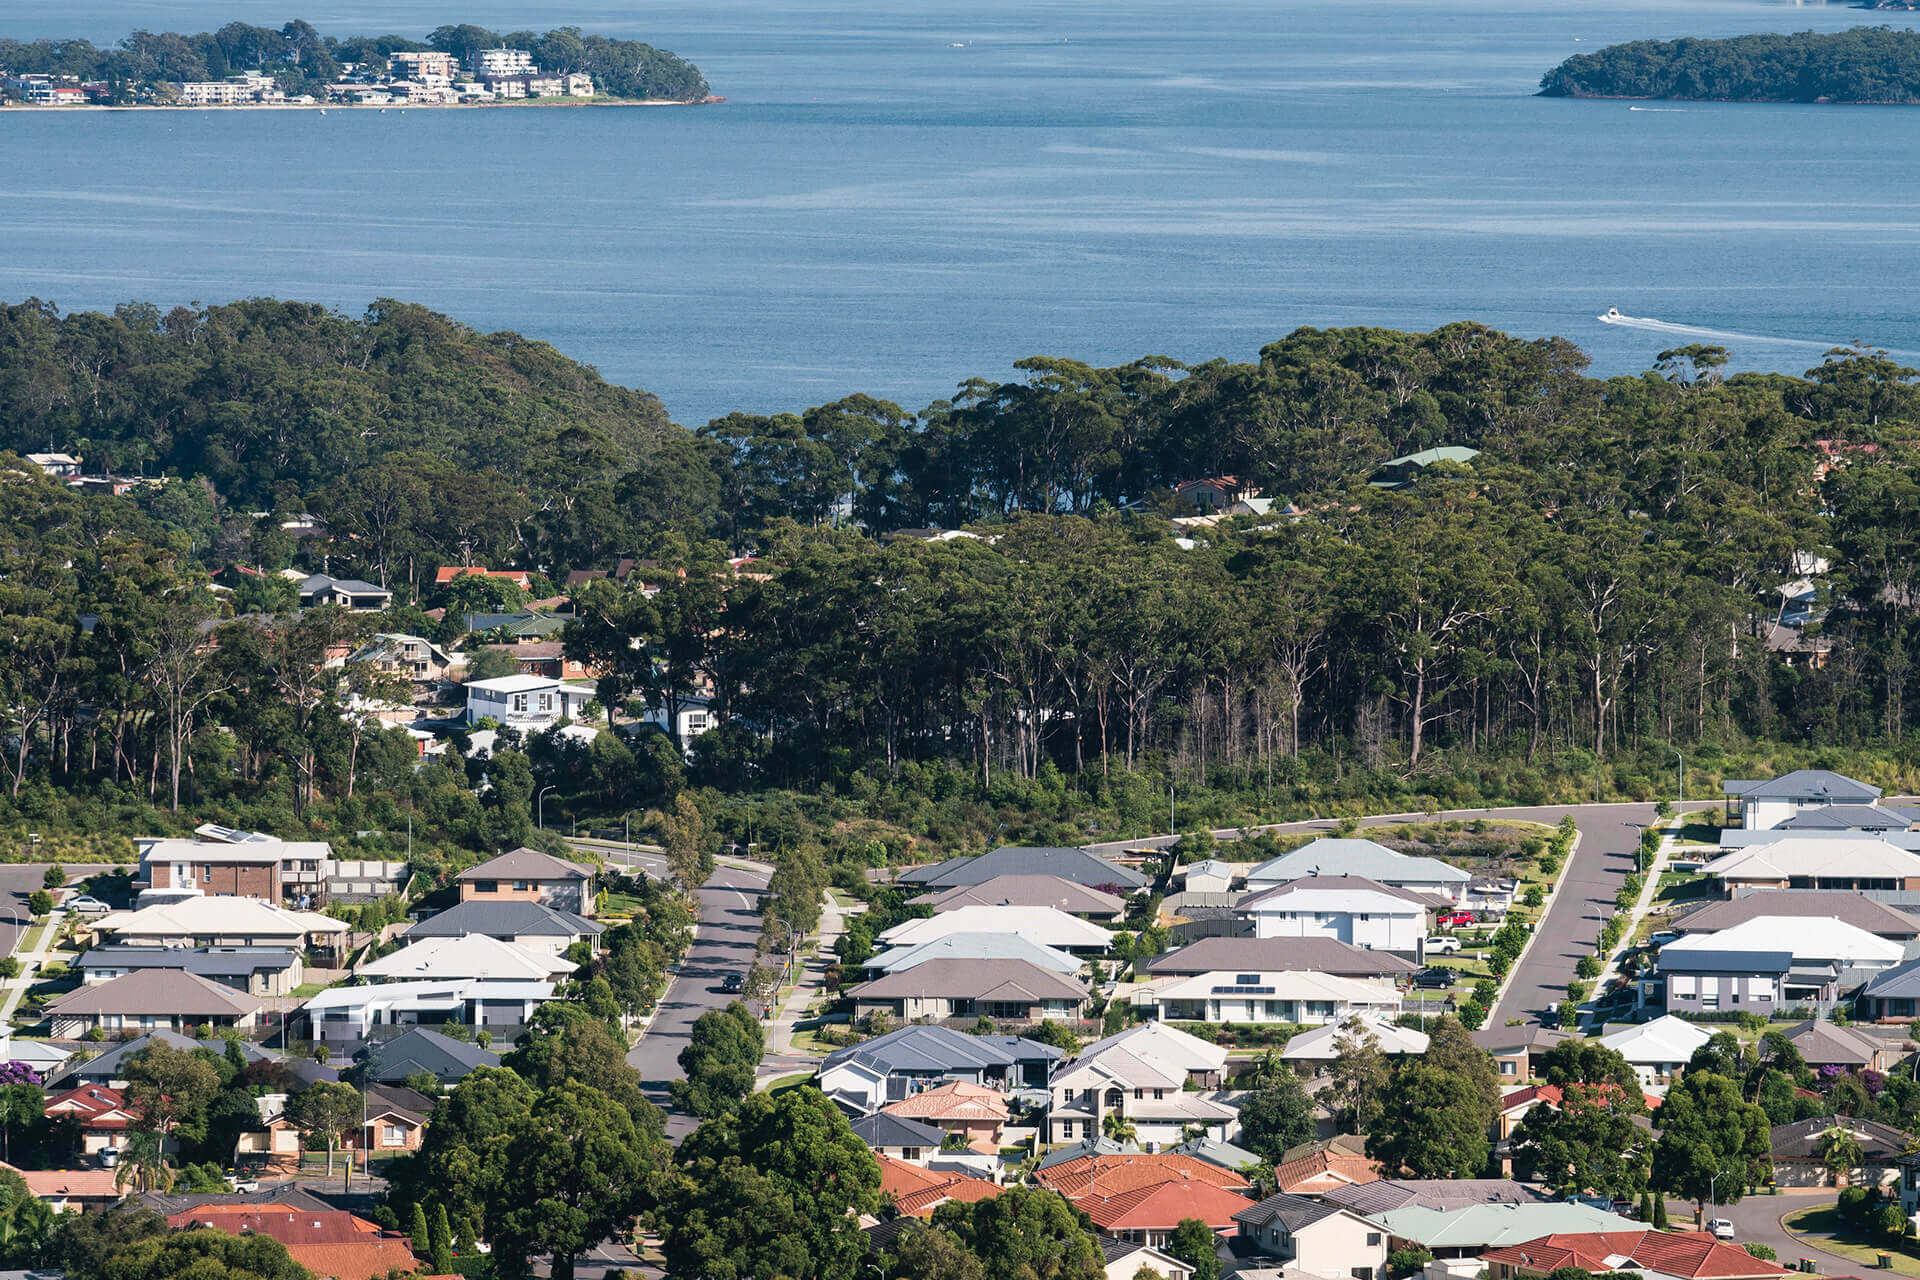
x=242, y=64
x=1869, y=65
x=1367, y=569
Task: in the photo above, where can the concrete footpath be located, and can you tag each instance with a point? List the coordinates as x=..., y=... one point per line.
x=811, y=983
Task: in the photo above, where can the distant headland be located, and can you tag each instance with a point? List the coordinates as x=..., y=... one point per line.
x=247, y=66
x=1868, y=65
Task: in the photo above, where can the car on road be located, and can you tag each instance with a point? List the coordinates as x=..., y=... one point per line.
x=733, y=983
x=1721, y=1228
x=1432, y=979
x=83, y=905
x=1442, y=946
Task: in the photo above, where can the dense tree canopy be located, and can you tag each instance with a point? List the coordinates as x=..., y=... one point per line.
x=1866, y=64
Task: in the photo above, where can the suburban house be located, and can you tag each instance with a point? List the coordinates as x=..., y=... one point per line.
x=975, y=946
x=253, y=971
x=1366, y=860
x=1143, y=1196
x=419, y=1051
x=539, y=657
x=1828, y=1044
x=1444, y=1194
x=1892, y=995
x=1467, y=1231
x=240, y=864
x=109, y=1067
x=1010, y=990
x=1681, y=1255
x=348, y=593
x=1768, y=963
x=918, y=1191
x=1141, y=1074
x=1657, y=1050
x=1516, y=1104
x=1210, y=875
x=1314, y=1237
x=149, y=1000
x=1127, y=1259
x=973, y=1111
x=1028, y=891
x=1297, y=996
x=1044, y=925
x=1850, y=817
x=1861, y=912
x=526, y=875
x=1322, y=1044
x=1076, y=865
x=1319, y=1172
x=1266, y=955
x=1764, y=804
x=398, y=654
x=350, y=1014
x=224, y=922
x=527, y=703
x=99, y=1114
x=527, y=924
x=473, y=955
x=63, y=465
x=1397, y=473
x=1514, y=1049
x=1800, y=1152
x=396, y=1120
x=522, y=624
x=1348, y=909
x=864, y=1077
x=898, y=1138
x=1214, y=493
x=327, y=1242
x=1845, y=864
x=71, y=1190
x=446, y=573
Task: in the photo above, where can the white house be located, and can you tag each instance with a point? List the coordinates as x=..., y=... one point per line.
x=1048, y=926
x=1770, y=962
x=1657, y=1049
x=525, y=702
x=1322, y=1044
x=472, y=956
x=351, y=1013
x=1142, y=1074
x=1365, y=859
x=1210, y=876
x=1846, y=864
x=1766, y=803
x=1301, y=997
x=1363, y=913
x=1314, y=1238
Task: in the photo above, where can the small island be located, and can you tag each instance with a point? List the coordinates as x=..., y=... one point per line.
x=246, y=66
x=1868, y=65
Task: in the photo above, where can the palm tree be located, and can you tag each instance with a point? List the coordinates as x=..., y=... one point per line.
x=143, y=1165
x=1840, y=1151
x=1118, y=1127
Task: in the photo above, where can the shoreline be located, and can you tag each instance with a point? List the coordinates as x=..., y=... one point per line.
x=92, y=107
x=1737, y=102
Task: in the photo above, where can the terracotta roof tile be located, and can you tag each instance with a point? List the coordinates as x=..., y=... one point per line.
x=1324, y=1170
x=1113, y=1174
x=1692, y=1255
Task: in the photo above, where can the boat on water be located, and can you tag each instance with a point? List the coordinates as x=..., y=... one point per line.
x=1613, y=313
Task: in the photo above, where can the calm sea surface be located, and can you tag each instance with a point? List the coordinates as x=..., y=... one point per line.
x=878, y=210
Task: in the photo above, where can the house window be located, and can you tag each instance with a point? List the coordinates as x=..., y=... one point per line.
x=1139, y=1094
x=486, y=886
x=521, y=886
x=913, y=1153
x=1509, y=1068
x=393, y=1135
x=1373, y=1238
x=1362, y=1273
x=1246, y=979
x=519, y=703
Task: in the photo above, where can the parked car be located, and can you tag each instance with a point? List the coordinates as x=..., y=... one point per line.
x=1442, y=946
x=1454, y=919
x=1432, y=979
x=1721, y=1228
x=87, y=906
x=1663, y=937
x=733, y=983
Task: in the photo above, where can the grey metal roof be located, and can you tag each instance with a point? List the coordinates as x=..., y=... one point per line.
x=504, y=920
x=1898, y=983
x=1278, y=955
x=1443, y=1194
x=1848, y=817
x=929, y=1050
x=205, y=962
x=420, y=1050
x=1725, y=961
x=1825, y=1043
x=1330, y=856
x=109, y=1064
x=1800, y=1140
x=1213, y=1151
x=1026, y=891
x=1076, y=865
x=972, y=979
x=884, y=1130
x=1855, y=909
x=1804, y=784
x=1101, y=1146
x=526, y=864
x=976, y=946
x=156, y=991
x=1293, y=1212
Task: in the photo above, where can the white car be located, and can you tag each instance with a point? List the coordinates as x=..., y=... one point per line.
x=1721, y=1228
x=1442, y=946
x=86, y=906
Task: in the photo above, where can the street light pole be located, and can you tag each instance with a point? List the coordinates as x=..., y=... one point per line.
x=1682, y=806
x=540, y=806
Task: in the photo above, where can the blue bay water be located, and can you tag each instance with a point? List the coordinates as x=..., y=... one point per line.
x=877, y=210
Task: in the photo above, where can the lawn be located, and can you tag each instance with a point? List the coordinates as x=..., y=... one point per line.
x=810, y=1042
x=793, y=1081
x=1825, y=1230
x=621, y=904
x=308, y=990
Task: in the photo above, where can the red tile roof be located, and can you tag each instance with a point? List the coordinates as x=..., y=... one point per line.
x=363, y=1260
x=62, y=1184
x=917, y=1192
x=1693, y=1255
x=957, y=1101
x=1114, y=1174
x=94, y=1105
x=1162, y=1206
x=1553, y=1096
x=1325, y=1170
x=289, y=1226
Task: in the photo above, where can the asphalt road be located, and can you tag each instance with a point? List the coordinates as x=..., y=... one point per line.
x=1757, y=1218
x=17, y=883
x=729, y=928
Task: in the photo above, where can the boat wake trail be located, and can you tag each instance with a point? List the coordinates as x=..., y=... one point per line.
x=1651, y=325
